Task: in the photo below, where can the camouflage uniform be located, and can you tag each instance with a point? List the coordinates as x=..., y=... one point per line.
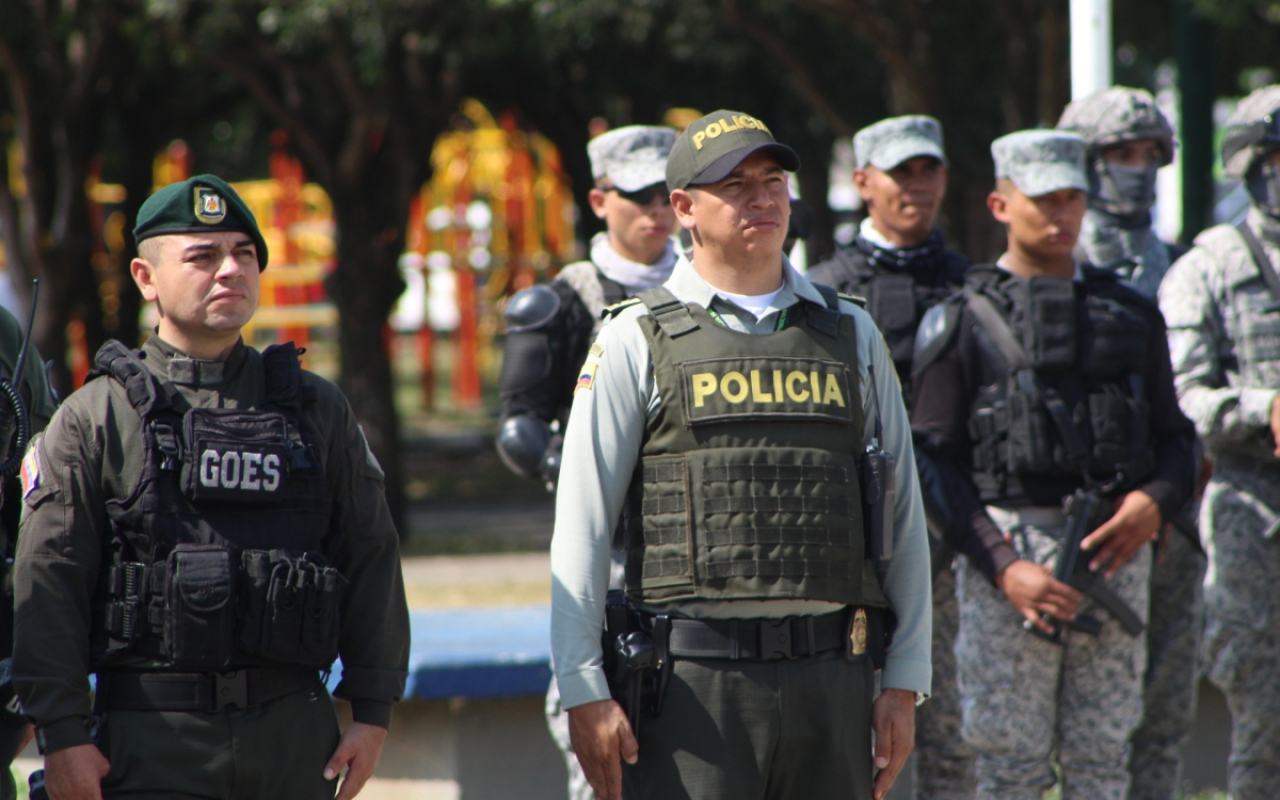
x=1117, y=233
x=1225, y=348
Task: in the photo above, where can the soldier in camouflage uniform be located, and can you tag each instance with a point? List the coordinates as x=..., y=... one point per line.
x=1220, y=302
x=1128, y=140
x=900, y=264
x=1030, y=385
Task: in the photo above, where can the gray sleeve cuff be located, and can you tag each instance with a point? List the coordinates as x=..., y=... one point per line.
x=1255, y=406
x=580, y=688
x=909, y=674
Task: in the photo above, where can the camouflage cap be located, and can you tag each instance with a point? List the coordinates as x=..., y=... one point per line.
x=1118, y=114
x=198, y=205
x=1040, y=162
x=631, y=158
x=1252, y=130
x=889, y=142
x=712, y=147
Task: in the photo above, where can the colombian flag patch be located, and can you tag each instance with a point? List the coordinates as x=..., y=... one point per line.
x=587, y=377
x=30, y=472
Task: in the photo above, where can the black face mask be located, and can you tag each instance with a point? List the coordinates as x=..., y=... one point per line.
x=1127, y=192
x=1264, y=187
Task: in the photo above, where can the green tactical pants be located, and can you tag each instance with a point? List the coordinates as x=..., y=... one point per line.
x=275, y=751
x=772, y=730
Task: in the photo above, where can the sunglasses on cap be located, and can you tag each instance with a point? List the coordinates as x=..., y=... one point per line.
x=642, y=197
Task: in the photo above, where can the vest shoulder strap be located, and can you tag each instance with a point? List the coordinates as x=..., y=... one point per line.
x=671, y=315
x=282, y=371
x=614, y=292
x=1261, y=260
x=147, y=393
x=825, y=319
x=998, y=329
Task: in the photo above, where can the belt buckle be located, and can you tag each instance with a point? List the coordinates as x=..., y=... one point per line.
x=230, y=689
x=775, y=639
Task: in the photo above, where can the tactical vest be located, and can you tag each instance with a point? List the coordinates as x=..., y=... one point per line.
x=747, y=487
x=217, y=558
x=896, y=298
x=1080, y=406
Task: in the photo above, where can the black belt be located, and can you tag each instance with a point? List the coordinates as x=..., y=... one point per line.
x=199, y=691
x=758, y=639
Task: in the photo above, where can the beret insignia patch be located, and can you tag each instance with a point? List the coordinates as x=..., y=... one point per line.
x=210, y=207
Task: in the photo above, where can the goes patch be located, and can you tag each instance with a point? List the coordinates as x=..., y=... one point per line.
x=723, y=389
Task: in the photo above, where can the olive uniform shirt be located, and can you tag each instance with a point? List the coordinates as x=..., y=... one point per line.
x=92, y=452
x=602, y=443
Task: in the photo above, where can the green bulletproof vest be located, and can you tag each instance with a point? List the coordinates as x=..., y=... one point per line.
x=747, y=487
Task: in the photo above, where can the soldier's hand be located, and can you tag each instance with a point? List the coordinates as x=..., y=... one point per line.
x=893, y=718
x=601, y=735
x=75, y=773
x=1136, y=522
x=359, y=749
x=1032, y=589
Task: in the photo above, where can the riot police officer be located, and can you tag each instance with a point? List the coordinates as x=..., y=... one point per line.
x=720, y=426
x=1045, y=378
x=205, y=530
x=550, y=326
x=1127, y=140
x=899, y=262
x=1221, y=301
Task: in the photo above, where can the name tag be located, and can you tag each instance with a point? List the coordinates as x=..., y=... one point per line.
x=722, y=389
x=244, y=472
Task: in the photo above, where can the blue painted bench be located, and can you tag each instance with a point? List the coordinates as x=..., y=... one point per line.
x=504, y=651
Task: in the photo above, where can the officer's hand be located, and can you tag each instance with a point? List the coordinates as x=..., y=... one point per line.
x=600, y=734
x=1032, y=589
x=1136, y=522
x=1275, y=423
x=75, y=773
x=359, y=749
x=893, y=718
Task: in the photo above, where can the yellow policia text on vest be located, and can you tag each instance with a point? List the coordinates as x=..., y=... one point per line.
x=722, y=389
x=705, y=383
x=715, y=129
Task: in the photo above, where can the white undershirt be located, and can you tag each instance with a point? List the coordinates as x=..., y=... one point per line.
x=754, y=304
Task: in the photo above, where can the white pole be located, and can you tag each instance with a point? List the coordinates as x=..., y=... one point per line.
x=1090, y=47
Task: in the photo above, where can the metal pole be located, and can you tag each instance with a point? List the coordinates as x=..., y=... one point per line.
x=1090, y=47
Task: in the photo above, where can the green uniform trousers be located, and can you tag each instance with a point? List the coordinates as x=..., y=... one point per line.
x=275, y=751
x=764, y=730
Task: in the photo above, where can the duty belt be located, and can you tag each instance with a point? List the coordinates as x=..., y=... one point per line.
x=199, y=691
x=758, y=639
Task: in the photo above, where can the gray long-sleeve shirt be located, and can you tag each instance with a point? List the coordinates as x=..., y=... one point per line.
x=603, y=441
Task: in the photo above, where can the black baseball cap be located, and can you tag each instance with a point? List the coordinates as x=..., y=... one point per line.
x=715, y=145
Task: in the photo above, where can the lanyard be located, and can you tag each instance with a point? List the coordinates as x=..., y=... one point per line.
x=719, y=320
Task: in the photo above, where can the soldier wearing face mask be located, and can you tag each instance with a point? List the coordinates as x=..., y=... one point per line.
x=1128, y=140
x=1222, y=305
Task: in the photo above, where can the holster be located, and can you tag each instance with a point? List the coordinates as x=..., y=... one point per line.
x=636, y=660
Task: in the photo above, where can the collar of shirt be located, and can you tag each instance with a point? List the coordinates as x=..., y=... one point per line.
x=867, y=230
x=1078, y=277
x=688, y=286
x=172, y=364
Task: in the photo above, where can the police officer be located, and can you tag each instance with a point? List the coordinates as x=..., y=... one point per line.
x=25, y=409
x=205, y=531
x=717, y=426
x=550, y=326
x=1040, y=379
x=900, y=264
x=1127, y=140
x=1221, y=302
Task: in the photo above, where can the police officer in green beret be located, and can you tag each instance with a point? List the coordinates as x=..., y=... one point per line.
x=205, y=531
x=717, y=427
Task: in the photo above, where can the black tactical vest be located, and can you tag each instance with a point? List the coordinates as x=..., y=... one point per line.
x=1081, y=407
x=897, y=294
x=747, y=487
x=217, y=558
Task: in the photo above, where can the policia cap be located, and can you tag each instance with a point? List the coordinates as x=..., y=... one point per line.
x=197, y=205
x=716, y=144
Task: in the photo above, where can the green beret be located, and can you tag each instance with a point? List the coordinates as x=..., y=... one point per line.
x=199, y=204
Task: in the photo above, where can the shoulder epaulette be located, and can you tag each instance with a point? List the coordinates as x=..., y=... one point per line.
x=857, y=300
x=612, y=311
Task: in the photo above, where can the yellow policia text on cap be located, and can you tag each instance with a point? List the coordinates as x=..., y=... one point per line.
x=210, y=207
x=714, y=129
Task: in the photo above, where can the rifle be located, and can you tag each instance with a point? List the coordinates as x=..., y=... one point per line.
x=1072, y=568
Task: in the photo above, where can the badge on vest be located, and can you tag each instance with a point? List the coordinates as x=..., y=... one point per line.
x=755, y=389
